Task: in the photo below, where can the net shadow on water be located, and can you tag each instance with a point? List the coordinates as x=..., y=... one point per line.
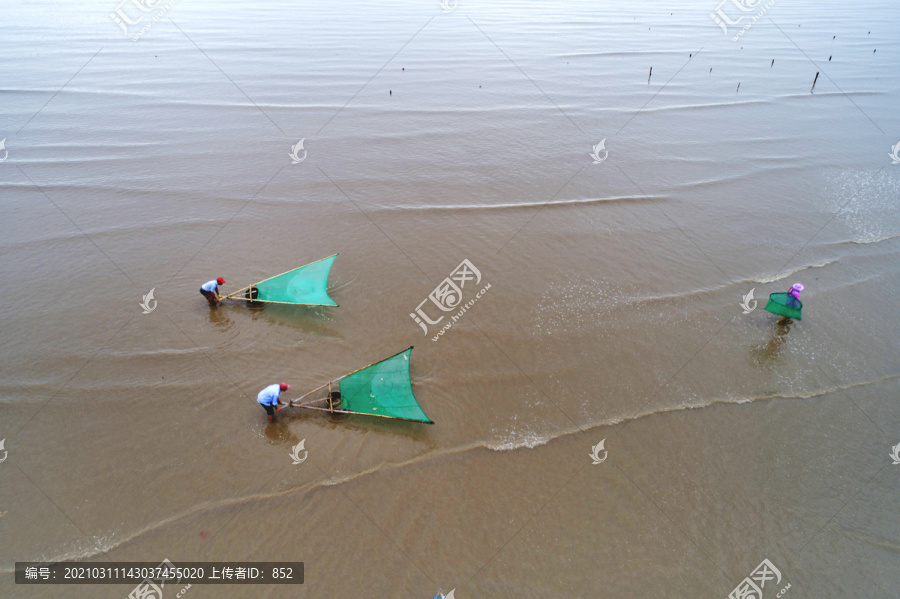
x=310, y=319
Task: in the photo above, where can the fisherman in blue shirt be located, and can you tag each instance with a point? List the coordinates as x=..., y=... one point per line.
x=268, y=399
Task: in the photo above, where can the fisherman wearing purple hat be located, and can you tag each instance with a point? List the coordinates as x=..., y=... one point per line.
x=793, y=300
x=794, y=295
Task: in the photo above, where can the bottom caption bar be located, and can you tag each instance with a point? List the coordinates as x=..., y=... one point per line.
x=158, y=575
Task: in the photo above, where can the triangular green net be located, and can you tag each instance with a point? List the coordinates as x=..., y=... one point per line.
x=305, y=285
x=779, y=304
x=383, y=389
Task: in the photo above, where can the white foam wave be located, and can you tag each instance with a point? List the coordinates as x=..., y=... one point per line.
x=516, y=205
x=528, y=441
x=866, y=204
x=787, y=273
x=875, y=239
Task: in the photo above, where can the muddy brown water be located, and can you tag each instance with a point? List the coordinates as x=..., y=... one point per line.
x=431, y=137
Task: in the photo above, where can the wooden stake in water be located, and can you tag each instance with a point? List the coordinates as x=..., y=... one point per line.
x=814, y=81
x=738, y=88
x=650, y=75
x=773, y=63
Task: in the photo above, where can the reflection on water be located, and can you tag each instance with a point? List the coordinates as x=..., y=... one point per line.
x=218, y=317
x=768, y=354
x=279, y=432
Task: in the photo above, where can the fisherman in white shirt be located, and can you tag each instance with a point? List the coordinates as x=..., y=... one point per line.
x=210, y=290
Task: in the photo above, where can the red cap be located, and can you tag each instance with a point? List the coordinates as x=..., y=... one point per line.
x=220, y=281
x=284, y=386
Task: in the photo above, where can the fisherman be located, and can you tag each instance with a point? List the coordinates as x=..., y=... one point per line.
x=268, y=399
x=210, y=290
x=793, y=300
x=794, y=293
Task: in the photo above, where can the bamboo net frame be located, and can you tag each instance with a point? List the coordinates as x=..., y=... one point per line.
x=247, y=299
